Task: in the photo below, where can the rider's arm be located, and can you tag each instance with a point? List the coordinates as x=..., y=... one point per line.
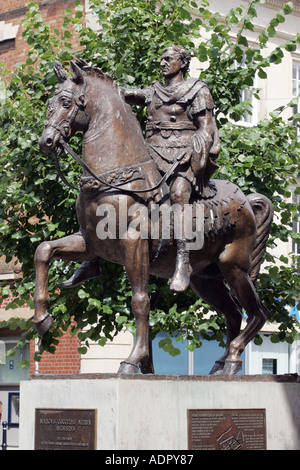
x=134, y=96
x=206, y=125
x=204, y=120
x=138, y=97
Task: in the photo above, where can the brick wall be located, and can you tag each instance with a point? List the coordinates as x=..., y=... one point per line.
x=5, y=302
x=13, y=50
x=9, y=5
x=66, y=359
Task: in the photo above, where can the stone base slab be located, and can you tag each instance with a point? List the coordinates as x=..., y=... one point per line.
x=149, y=412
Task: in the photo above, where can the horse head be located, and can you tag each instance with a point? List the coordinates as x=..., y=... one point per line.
x=66, y=111
x=89, y=100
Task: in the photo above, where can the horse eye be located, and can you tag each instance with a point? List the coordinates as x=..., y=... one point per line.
x=66, y=103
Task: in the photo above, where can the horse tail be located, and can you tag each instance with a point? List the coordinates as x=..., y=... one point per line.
x=263, y=212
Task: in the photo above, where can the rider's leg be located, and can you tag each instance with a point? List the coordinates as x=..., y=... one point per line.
x=180, y=193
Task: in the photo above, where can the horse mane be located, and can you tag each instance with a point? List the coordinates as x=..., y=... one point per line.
x=96, y=72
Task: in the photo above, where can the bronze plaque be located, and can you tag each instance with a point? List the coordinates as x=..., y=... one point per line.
x=243, y=429
x=67, y=429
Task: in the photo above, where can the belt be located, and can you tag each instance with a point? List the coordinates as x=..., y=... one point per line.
x=170, y=126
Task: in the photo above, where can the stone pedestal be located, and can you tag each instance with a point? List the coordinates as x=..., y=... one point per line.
x=151, y=412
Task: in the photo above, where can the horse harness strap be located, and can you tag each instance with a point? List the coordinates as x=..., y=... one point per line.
x=62, y=175
x=100, y=178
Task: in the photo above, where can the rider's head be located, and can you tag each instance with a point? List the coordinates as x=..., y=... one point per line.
x=183, y=55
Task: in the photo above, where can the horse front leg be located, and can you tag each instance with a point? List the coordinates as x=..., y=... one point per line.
x=137, y=268
x=71, y=248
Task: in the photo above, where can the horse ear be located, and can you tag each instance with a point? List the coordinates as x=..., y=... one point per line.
x=76, y=72
x=59, y=71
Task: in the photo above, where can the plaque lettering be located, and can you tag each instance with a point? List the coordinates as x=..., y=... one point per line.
x=65, y=429
x=243, y=429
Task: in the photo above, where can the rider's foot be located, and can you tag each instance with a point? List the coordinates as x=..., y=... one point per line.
x=181, y=278
x=179, y=282
x=88, y=270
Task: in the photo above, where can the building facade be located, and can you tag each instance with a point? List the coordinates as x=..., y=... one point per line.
x=13, y=50
x=282, y=84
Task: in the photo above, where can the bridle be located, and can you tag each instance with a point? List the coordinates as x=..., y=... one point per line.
x=78, y=105
x=64, y=135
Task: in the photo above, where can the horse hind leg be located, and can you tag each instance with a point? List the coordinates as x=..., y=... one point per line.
x=215, y=293
x=240, y=282
x=71, y=248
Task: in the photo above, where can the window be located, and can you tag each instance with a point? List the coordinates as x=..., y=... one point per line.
x=10, y=372
x=8, y=34
x=269, y=366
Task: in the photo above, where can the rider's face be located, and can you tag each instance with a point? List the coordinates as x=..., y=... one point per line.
x=170, y=63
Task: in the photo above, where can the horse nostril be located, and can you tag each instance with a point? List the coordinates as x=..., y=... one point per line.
x=49, y=142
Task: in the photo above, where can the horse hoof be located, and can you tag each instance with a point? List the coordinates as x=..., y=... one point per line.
x=128, y=368
x=44, y=325
x=179, y=283
x=217, y=368
x=232, y=367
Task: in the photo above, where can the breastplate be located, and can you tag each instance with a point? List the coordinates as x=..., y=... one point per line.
x=159, y=111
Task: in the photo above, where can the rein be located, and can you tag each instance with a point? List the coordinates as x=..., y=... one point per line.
x=98, y=178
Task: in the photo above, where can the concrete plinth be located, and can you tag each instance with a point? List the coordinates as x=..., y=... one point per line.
x=150, y=412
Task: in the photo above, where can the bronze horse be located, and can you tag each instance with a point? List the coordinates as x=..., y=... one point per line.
x=235, y=226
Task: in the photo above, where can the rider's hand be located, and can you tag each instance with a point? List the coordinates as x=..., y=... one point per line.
x=185, y=156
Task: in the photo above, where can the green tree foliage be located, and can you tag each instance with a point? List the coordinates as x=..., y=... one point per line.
x=36, y=206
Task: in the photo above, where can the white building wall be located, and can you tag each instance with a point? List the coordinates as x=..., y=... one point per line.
x=106, y=359
x=283, y=353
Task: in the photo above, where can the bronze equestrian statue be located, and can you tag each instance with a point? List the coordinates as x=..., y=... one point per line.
x=173, y=165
